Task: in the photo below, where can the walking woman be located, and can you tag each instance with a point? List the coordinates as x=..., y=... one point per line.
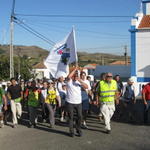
x=51, y=102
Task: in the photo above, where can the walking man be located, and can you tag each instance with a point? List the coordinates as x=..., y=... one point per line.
x=15, y=95
x=74, y=101
x=128, y=101
x=107, y=91
x=32, y=95
x=85, y=99
x=146, y=99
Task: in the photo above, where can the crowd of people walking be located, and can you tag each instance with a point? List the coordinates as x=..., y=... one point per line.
x=72, y=98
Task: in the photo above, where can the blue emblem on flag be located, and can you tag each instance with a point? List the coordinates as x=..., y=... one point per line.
x=64, y=52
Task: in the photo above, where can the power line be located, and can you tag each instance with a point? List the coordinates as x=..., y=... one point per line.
x=103, y=47
x=112, y=34
x=31, y=30
x=89, y=22
x=34, y=33
x=38, y=33
x=74, y=16
x=82, y=30
x=76, y=21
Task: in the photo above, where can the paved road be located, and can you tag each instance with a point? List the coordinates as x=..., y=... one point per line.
x=123, y=137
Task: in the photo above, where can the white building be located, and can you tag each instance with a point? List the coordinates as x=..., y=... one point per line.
x=40, y=71
x=140, y=44
x=122, y=70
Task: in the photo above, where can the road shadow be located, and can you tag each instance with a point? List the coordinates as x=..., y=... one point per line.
x=96, y=130
x=53, y=130
x=94, y=126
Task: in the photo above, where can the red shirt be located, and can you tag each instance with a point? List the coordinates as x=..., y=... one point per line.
x=146, y=91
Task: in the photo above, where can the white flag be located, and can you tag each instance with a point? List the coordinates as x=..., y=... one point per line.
x=61, y=55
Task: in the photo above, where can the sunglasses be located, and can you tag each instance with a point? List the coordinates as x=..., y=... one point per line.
x=109, y=76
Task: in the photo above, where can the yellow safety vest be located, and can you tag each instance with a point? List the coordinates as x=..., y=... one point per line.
x=33, y=98
x=51, y=97
x=107, y=91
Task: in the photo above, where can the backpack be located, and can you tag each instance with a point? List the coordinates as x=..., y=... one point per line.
x=129, y=93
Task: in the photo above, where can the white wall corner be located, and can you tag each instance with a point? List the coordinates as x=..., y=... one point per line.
x=133, y=22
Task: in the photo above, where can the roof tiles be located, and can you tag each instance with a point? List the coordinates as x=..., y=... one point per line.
x=145, y=22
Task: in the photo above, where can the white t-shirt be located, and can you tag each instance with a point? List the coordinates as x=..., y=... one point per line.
x=59, y=86
x=84, y=92
x=73, y=92
x=44, y=93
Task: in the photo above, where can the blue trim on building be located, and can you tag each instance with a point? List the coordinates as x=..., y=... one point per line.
x=145, y=1
x=143, y=79
x=135, y=17
x=144, y=8
x=133, y=50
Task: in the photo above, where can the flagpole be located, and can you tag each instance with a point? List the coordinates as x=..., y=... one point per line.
x=73, y=28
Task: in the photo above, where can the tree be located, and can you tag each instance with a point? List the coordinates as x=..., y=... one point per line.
x=22, y=67
x=4, y=67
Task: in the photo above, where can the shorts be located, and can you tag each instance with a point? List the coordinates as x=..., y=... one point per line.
x=85, y=105
x=1, y=108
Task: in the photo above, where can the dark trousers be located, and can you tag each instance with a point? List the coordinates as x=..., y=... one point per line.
x=45, y=112
x=33, y=115
x=128, y=111
x=146, y=109
x=71, y=109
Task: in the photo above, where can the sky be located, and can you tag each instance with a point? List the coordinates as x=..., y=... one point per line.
x=99, y=34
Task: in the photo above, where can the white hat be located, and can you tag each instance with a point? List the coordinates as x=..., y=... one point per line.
x=30, y=80
x=50, y=81
x=61, y=74
x=131, y=80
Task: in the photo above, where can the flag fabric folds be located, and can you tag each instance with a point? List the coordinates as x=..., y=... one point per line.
x=61, y=55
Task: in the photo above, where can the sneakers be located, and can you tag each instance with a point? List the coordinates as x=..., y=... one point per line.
x=62, y=119
x=84, y=125
x=44, y=120
x=32, y=125
x=51, y=126
x=79, y=133
x=100, y=118
x=14, y=126
x=71, y=134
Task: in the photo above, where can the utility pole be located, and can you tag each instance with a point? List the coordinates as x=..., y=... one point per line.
x=102, y=60
x=4, y=37
x=19, y=61
x=11, y=40
x=125, y=55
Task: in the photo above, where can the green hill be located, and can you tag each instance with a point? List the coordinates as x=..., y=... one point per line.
x=30, y=51
x=38, y=54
